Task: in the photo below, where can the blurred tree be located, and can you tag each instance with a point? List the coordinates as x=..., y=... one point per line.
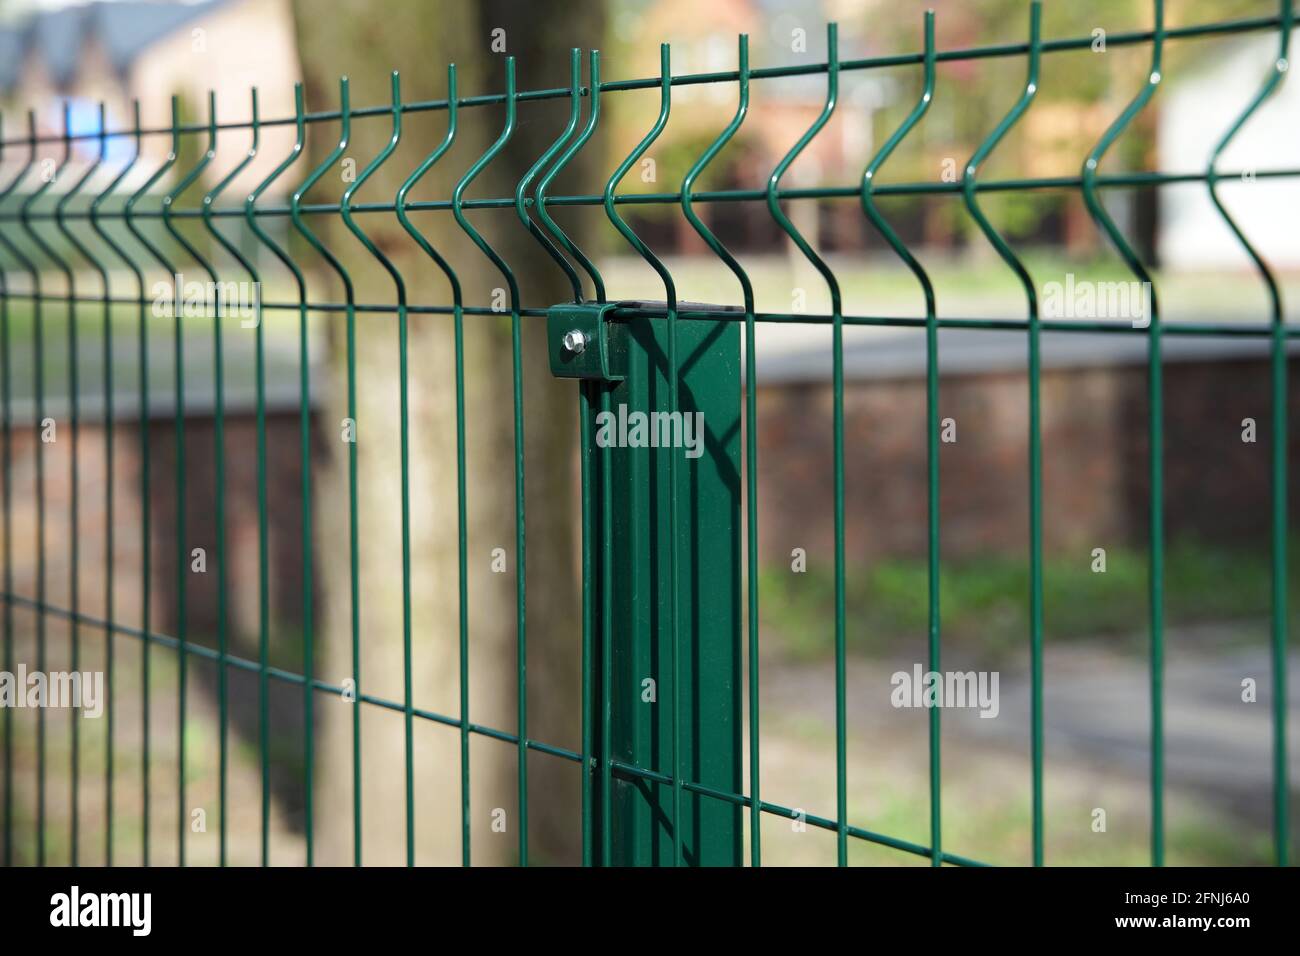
x=366, y=40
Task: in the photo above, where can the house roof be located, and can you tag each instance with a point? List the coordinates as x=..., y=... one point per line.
x=123, y=29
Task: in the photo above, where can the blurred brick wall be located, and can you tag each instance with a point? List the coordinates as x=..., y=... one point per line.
x=1095, y=439
x=1094, y=422
x=284, y=524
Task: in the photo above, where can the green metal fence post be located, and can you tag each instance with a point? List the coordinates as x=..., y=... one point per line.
x=627, y=491
x=668, y=431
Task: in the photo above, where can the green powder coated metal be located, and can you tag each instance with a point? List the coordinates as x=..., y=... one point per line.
x=461, y=551
x=109, y=483
x=16, y=252
x=38, y=388
x=1155, y=430
x=304, y=391
x=146, y=486
x=648, y=827
x=404, y=441
x=6, y=516
x=60, y=215
x=872, y=210
x=751, y=433
x=477, y=238
x=663, y=634
x=263, y=585
x=837, y=385
x=1035, y=431
x=223, y=693
x=1278, y=381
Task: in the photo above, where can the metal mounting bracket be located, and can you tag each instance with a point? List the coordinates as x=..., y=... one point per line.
x=583, y=342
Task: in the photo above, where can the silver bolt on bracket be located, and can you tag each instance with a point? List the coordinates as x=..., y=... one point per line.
x=575, y=341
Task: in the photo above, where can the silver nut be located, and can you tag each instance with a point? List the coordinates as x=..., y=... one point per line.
x=575, y=341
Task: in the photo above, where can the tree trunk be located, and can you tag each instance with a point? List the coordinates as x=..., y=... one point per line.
x=366, y=41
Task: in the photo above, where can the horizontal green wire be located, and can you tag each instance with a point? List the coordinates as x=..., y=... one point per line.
x=618, y=767
x=1113, y=181
x=1188, y=327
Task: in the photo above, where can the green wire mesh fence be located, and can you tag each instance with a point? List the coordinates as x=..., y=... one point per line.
x=116, y=213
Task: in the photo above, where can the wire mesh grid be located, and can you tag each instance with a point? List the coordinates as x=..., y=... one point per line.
x=30, y=254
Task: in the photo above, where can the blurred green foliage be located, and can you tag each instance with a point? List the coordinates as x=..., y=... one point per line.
x=984, y=603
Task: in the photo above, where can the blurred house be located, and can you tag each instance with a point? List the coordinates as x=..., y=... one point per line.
x=117, y=52
x=1195, y=114
x=785, y=32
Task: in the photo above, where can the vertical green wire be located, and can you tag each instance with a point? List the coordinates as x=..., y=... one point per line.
x=462, y=519
x=585, y=404
x=931, y=415
x=263, y=642
x=575, y=144
x=219, y=439
x=1035, y=437
x=109, y=555
x=109, y=492
x=593, y=119
x=588, y=596
x=181, y=555
x=5, y=398
x=751, y=434
x=168, y=205
x=24, y=216
x=108, y=451
x=462, y=555
x=60, y=217
x=606, y=511
x=219, y=442
x=128, y=213
x=208, y=202
x=521, y=565
x=345, y=207
x=606, y=639
x=74, y=517
x=837, y=354
x=1155, y=424
x=1278, y=377
x=304, y=401
x=521, y=188
x=670, y=291
x=6, y=516
x=458, y=195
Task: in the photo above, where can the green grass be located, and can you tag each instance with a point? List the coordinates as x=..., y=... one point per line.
x=984, y=603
